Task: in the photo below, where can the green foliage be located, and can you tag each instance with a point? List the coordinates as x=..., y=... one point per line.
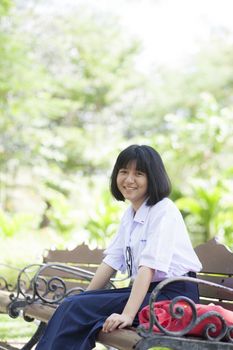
x=103, y=221
x=207, y=212
x=224, y=224
x=176, y=91
x=12, y=224
x=5, y=6
x=71, y=97
x=199, y=146
x=54, y=98
x=60, y=215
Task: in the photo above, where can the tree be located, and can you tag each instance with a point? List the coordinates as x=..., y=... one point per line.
x=4, y=7
x=61, y=104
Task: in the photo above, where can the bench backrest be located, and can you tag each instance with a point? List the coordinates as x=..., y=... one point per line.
x=82, y=257
x=217, y=261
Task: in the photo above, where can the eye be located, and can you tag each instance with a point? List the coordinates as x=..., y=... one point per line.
x=140, y=173
x=122, y=171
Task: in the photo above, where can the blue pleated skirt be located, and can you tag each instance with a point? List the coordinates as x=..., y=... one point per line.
x=77, y=321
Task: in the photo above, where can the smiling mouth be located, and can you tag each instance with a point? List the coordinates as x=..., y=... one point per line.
x=130, y=188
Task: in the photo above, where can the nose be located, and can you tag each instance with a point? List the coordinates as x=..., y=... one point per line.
x=130, y=178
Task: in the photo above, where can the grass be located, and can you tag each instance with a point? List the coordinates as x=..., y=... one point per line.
x=15, y=331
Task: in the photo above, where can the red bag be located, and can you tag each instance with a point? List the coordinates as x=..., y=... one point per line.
x=164, y=317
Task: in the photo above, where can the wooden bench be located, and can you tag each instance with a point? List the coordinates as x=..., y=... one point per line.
x=215, y=284
x=41, y=287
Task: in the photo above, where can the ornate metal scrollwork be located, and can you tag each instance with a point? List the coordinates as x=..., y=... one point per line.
x=35, y=283
x=54, y=289
x=229, y=334
x=210, y=330
x=50, y=291
x=177, y=311
x=24, y=284
x=4, y=285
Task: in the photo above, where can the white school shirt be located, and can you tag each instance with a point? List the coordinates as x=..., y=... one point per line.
x=158, y=239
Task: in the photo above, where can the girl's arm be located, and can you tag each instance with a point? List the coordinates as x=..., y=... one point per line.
x=101, y=277
x=137, y=295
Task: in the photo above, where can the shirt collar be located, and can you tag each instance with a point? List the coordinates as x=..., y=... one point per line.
x=141, y=213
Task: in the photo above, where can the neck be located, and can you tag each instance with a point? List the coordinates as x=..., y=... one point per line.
x=136, y=207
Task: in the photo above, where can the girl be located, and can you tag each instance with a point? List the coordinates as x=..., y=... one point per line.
x=152, y=243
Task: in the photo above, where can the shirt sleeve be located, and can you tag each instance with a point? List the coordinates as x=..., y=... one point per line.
x=114, y=254
x=160, y=243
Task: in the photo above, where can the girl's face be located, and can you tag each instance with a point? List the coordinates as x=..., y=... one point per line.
x=132, y=184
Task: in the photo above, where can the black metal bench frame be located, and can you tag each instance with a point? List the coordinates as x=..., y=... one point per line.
x=180, y=339
x=220, y=270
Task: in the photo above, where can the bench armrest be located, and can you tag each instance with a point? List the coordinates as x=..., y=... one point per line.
x=54, y=289
x=177, y=311
x=48, y=283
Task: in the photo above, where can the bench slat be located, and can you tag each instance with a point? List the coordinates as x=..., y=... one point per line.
x=39, y=311
x=216, y=258
x=52, y=271
x=82, y=254
x=227, y=305
x=122, y=339
x=220, y=294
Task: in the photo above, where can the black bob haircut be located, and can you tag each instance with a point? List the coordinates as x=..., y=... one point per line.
x=148, y=161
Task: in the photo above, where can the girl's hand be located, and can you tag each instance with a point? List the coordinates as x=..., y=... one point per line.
x=116, y=321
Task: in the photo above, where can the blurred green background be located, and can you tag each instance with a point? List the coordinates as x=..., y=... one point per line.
x=76, y=87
